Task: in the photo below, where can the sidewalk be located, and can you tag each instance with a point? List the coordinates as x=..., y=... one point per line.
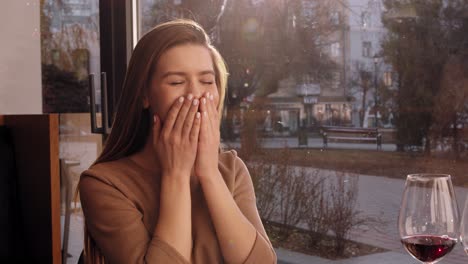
x=289, y=257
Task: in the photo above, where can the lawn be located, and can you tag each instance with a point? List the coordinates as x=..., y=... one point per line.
x=378, y=163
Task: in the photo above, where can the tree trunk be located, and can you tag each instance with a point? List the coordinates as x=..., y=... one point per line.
x=363, y=106
x=427, y=146
x=456, y=138
x=249, y=140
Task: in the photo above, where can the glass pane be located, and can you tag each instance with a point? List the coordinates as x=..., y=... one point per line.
x=70, y=52
x=331, y=104
x=79, y=148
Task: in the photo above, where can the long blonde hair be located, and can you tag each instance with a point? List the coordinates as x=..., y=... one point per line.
x=131, y=125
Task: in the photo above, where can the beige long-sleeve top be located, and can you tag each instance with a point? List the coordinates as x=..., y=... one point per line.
x=120, y=202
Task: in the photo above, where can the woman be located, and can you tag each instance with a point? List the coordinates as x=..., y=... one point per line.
x=161, y=191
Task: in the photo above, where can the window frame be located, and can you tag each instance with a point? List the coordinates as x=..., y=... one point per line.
x=116, y=44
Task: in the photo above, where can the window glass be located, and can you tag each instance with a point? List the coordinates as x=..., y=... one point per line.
x=335, y=17
x=298, y=69
x=387, y=78
x=367, y=49
x=335, y=49
x=70, y=51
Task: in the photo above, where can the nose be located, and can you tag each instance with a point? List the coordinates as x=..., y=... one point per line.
x=196, y=89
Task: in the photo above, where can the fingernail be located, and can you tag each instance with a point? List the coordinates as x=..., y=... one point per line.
x=211, y=97
x=204, y=100
x=205, y=113
x=155, y=118
x=197, y=115
x=190, y=96
x=181, y=99
x=207, y=94
x=195, y=102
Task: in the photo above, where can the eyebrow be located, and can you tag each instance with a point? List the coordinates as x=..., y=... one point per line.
x=166, y=74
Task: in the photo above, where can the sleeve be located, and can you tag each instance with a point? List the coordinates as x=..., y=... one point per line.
x=116, y=226
x=244, y=195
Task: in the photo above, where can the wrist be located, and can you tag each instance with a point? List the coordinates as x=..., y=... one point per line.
x=209, y=175
x=175, y=180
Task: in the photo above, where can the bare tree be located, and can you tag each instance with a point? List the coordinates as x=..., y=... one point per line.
x=292, y=195
x=360, y=83
x=343, y=212
x=206, y=12
x=451, y=103
x=317, y=209
x=266, y=186
x=289, y=195
x=422, y=36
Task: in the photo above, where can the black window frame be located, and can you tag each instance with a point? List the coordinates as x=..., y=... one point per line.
x=115, y=29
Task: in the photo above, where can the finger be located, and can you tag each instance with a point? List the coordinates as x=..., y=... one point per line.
x=205, y=121
x=215, y=119
x=156, y=128
x=191, y=115
x=210, y=112
x=195, y=131
x=181, y=117
x=213, y=113
x=171, y=116
x=203, y=106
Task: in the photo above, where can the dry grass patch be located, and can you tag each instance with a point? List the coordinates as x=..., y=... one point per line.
x=378, y=163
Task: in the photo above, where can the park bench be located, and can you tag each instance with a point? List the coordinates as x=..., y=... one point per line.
x=351, y=134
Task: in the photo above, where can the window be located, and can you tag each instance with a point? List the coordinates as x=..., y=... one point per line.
x=365, y=19
x=335, y=49
x=74, y=2
x=351, y=177
x=70, y=51
x=387, y=78
x=367, y=49
x=336, y=80
x=335, y=18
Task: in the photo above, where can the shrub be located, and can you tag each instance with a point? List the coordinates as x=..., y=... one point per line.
x=317, y=210
x=265, y=185
x=343, y=213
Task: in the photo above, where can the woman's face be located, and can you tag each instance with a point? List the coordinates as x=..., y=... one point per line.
x=180, y=71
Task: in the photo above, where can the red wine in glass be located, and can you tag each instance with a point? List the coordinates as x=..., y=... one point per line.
x=429, y=222
x=428, y=248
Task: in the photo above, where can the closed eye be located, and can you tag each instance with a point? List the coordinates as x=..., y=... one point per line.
x=207, y=82
x=176, y=83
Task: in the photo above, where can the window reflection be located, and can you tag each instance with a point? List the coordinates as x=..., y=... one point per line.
x=70, y=52
x=297, y=67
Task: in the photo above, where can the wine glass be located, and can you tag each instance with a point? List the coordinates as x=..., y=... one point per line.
x=429, y=220
x=464, y=227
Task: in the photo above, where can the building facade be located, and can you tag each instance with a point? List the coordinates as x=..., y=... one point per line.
x=368, y=72
x=311, y=100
